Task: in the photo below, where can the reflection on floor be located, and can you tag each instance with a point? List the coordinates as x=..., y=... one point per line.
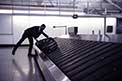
x=19, y=67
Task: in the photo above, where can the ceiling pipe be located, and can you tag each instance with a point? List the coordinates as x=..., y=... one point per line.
x=74, y=16
x=51, y=2
x=50, y=6
x=115, y=5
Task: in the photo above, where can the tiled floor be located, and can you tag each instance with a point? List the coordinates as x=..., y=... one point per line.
x=19, y=67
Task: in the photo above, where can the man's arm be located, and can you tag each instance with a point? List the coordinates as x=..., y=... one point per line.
x=45, y=35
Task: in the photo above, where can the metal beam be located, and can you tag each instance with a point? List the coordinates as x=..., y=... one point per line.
x=115, y=5
x=40, y=2
x=51, y=2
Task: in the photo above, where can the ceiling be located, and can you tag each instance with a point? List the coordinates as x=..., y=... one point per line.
x=87, y=6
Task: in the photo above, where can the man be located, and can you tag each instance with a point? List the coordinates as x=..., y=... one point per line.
x=30, y=33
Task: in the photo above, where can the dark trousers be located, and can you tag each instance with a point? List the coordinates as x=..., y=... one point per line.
x=24, y=36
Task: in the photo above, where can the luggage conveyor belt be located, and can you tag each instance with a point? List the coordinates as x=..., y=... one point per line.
x=82, y=60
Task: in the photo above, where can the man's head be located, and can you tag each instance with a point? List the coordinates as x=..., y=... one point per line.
x=42, y=26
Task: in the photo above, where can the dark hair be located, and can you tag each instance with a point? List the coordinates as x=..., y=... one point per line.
x=43, y=25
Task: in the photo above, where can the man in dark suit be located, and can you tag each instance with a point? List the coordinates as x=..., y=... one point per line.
x=30, y=33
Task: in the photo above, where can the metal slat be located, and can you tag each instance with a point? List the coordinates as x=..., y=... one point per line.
x=84, y=54
x=75, y=52
x=109, y=69
x=69, y=49
x=82, y=60
x=92, y=56
x=94, y=66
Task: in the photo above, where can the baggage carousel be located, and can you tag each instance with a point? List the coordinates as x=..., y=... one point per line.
x=82, y=60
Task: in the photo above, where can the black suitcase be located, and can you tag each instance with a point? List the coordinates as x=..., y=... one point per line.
x=47, y=45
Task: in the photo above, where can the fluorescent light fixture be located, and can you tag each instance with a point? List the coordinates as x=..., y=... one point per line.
x=71, y=13
x=67, y=13
x=36, y=12
x=52, y=12
x=21, y=11
x=5, y=11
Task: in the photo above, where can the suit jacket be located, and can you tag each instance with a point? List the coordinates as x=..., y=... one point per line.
x=35, y=32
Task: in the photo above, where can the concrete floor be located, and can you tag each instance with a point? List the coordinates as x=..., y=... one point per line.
x=19, y=67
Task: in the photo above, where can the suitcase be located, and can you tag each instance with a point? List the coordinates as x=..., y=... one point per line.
x=47, y=45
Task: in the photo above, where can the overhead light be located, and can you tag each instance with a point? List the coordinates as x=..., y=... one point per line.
x=75, y=16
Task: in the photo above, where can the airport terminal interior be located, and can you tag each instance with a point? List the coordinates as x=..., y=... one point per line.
x=60, y=40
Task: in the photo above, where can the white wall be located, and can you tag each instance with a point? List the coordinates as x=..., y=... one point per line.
x=5, y=24
x=85, y=25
